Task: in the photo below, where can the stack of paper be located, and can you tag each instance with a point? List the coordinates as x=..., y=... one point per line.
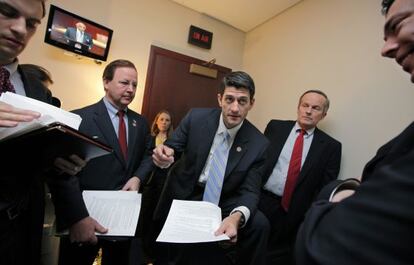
x=50, y=114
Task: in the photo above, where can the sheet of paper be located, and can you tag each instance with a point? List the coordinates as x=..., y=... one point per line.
x=116, y=210
x=192, y=222
x=49, y=113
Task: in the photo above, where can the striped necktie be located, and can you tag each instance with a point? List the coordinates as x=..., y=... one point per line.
x=217, y=169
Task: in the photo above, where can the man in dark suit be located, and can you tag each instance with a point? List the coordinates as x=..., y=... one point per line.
x=320, y=162
x=124, y=169
x=196, y=141
x=23, y=170
x=370, y=223
x=79, y=35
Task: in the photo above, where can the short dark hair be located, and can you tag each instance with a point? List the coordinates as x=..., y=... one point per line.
x=37, y=72
x=386, y=4
x=326, y=105
x=109, y=71
x=238, y=80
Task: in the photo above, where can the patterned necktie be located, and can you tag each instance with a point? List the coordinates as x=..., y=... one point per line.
x=5, y=84
x=293, y=171
x=217, y=169
x=122, y=134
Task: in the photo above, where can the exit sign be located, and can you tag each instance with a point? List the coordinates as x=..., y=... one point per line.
x=200, y=37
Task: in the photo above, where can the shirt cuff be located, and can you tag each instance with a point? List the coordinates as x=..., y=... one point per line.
x=245, y=211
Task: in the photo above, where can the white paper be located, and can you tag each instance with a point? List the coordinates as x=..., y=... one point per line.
x=116, y=210
x=50, y=114
x=192, y=222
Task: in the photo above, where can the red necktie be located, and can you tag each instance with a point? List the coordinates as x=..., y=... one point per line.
x=122, y=134
x=293, y=171
x=5, y=84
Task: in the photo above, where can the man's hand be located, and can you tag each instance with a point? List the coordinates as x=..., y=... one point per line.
x=163, y=156
x=132, y=184
x=11, y=116
x=71, y=166
x=84, y=231
x=229, y=226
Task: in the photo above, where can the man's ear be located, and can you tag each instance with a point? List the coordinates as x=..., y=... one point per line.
x=105, y=83
x=219, y=99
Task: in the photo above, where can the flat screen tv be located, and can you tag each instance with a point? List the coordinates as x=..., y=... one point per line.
x=77, y=34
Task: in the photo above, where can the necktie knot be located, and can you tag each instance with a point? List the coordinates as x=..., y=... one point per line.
x=120, y=114
x=5, y=84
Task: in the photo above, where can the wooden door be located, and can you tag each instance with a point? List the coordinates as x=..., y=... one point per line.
x=170, y=85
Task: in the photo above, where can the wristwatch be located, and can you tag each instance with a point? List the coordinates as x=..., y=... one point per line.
x=242, y=218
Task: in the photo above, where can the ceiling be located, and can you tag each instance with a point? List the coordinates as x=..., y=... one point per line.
x=241, y=14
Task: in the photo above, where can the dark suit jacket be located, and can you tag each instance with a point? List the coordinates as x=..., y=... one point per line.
x=320, y=167
x=375, y=225
x=21, y=181
x=192, y=140
x=70, y=33
x=111, y=172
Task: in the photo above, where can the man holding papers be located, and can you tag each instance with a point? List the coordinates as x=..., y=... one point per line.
x=21, y=184
x=220, y=157
x=111, y=122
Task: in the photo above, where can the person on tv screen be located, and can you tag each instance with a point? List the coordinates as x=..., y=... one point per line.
x=78, y=35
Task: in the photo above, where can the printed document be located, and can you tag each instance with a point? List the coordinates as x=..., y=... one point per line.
x=49, y=115
x=192, y=222
x=116, y=210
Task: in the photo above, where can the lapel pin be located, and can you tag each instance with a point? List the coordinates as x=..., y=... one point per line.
x=134, y=123
x=238, y=149
x=95, y=137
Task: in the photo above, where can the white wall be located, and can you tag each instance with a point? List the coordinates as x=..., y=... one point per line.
x=332, y=45
x=136, y=24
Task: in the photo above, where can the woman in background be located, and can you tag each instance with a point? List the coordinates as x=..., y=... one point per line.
x=161, y=129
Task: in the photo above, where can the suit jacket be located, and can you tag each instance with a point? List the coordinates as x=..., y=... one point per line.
x=21, y=183
x=375, y=225
x=111, y=172
x=70, y=33
x=192, y=141
x=320, y=167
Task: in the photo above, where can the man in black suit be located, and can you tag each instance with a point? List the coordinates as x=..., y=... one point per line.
x=122, y=169
x=370, y=223
x=320, y=162
x=22, y=171
x=195, y=142
x=79, y=35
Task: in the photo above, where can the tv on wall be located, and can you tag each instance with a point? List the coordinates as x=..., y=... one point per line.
x=77, y=34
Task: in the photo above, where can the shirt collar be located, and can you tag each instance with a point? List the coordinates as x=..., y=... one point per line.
x=309, y=132
x=12, y=67
x=112, y=110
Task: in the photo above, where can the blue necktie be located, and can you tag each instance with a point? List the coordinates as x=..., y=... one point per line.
x=217, y=169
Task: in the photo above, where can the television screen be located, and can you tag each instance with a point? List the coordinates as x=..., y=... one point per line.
x=77, y=34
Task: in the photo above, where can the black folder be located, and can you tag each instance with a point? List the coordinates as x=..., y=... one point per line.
x=57, y=140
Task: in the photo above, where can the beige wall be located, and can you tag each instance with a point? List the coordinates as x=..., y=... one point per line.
x=137, y=25
x=332, y=45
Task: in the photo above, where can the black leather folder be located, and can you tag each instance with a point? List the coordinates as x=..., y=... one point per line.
x=55, y=140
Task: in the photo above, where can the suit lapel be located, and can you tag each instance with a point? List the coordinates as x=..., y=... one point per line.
x=209, y=129
x=238, y=149
x=132, y=133
x=277, y=141
x=103, y=122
